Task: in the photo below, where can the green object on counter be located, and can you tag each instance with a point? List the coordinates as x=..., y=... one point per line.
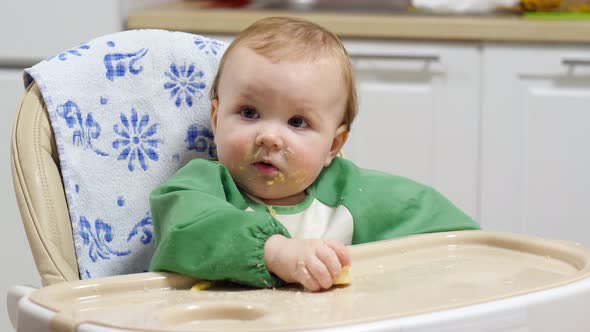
x=557, y=15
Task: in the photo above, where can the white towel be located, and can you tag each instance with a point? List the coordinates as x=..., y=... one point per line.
x=128, y=110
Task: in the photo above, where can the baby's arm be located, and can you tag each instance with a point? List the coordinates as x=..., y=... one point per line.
x=202, y=230
x=313, y=263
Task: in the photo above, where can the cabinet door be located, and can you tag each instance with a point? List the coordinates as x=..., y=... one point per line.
x=418, y=114
x=33, y=30
x=37, y=29
x=536, y=141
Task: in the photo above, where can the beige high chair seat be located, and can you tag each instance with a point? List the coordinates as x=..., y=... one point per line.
x=39, y=191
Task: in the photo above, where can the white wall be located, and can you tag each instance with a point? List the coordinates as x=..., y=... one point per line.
x=31, y=31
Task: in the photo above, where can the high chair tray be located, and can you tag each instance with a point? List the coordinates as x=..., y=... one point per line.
x=457, y=278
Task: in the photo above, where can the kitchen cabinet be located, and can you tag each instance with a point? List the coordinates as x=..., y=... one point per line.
x=34, y=30
x=535, y=138
x=418, y=114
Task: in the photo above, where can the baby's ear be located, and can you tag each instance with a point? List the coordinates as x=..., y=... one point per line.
x=340, y=138
x=214, y=107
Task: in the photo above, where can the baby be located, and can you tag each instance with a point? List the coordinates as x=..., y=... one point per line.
x=279, y=205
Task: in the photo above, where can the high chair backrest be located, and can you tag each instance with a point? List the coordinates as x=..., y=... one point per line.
x=100, y=125
x=39, y=191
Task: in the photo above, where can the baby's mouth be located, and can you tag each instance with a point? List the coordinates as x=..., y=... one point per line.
x=265, y=167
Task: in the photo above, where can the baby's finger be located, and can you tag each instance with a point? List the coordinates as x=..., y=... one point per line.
x=340, y=250
x=304, y=277
x=319, y=272
x=328, y=256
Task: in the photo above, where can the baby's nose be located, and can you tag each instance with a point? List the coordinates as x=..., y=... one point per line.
x=269, y=140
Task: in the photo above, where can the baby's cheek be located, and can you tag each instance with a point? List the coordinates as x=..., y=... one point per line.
x=299, y=177
x=235, y=147
x=311, y=165
x=306, y=171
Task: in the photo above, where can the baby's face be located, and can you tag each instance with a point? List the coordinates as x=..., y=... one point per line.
x=277, y=124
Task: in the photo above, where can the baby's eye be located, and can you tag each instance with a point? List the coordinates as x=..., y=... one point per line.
x=298, y=122
x=249, y=112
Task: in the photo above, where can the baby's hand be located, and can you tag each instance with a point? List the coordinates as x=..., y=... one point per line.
x=313, y=263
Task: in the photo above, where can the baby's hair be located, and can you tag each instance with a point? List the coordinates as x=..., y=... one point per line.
x=287, y=38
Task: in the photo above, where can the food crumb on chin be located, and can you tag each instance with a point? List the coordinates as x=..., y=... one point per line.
x=298, y=177
x=278, y=178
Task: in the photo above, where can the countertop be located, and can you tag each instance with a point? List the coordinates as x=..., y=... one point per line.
x=192, y=17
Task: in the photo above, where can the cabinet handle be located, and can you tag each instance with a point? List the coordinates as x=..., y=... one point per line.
x=397, y=57
x=575, y=62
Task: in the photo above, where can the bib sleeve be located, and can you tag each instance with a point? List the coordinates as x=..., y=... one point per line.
x=386, y=206
x=202, y=229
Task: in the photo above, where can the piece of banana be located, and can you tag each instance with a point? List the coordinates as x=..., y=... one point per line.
x=202, y=285
x=344, y=277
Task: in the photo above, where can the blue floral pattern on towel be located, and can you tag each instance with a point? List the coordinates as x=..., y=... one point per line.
x=136, y=140
x=117, y=64
x=98, y=240
x=87, y=128
x=63, y=56
x=146, y=228
x=208, y=45
x=200, y=139
x=185, y=83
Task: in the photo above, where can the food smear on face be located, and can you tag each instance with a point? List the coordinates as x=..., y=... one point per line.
x=298, y=177
x=286, y=152
x=280, y=177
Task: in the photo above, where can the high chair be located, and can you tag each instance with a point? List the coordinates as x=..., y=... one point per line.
x=456, y=281
x=40, y=196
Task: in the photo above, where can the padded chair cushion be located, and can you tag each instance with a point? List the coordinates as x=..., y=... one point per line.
x=39, y=191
